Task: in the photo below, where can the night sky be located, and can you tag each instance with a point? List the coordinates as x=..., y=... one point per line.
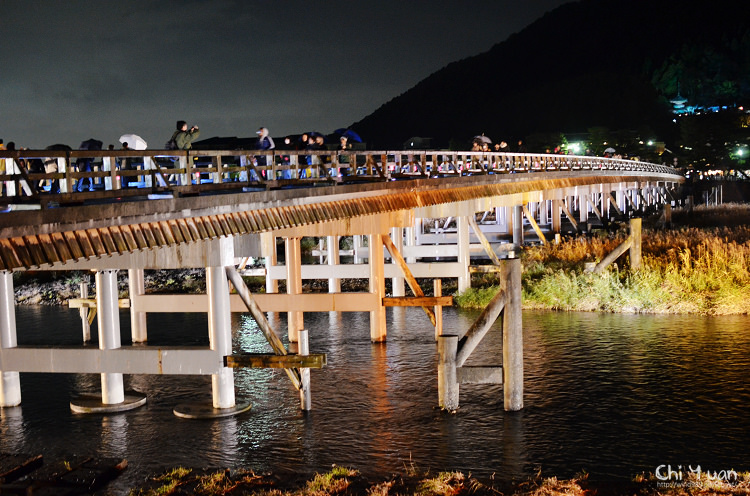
x=77, y=70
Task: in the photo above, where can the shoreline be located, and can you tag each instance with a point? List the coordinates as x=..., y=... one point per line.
x=341, y=480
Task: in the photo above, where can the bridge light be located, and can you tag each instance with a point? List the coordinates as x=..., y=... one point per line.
x=740, y=152
x=650, y=143
x=574, y=147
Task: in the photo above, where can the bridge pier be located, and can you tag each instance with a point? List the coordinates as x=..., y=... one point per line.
x=136, y=289
x=398, y=283
x=220, y=341
x=332, y=249
x=464, y=255
x=10, y=382
x=378, y=329
x=293, y=261
x=113, y=397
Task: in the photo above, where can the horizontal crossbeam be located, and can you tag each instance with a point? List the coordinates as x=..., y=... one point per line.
x=269, y=361
x=418, y=301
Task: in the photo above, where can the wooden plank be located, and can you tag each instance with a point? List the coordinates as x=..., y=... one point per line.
x=268, y=361
x=91, y=303
x=418, y=301
x=13, y=466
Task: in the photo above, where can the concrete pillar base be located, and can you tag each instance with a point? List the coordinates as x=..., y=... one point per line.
x=92, y=403
x=207, y=411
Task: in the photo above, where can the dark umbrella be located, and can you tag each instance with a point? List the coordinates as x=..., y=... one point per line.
x=90, y=144
x=59, y=147
x=482, y=139
x=349, y=134
x=314, y=134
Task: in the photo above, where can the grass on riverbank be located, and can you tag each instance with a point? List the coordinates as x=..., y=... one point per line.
x=342, y=481
x=704, y=270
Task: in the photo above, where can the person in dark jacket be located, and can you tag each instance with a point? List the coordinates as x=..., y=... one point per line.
x=184, y=137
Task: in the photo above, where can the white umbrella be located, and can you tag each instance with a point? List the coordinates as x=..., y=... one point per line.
x=609, y=150
x=482, y=139
x=134, y=141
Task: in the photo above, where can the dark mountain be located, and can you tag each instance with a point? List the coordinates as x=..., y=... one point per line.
x=593, y=63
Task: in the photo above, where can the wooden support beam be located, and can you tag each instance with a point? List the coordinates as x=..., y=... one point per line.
x=410, y=280
x=596, y=210
x=418, y=301
x=260, y=318
x=613, y=202
x=570, y=217
x=534, y=225
x=91, y=303
x=483, y=240
x=485, y=269
x=635, y=248
x=480, y=327
x=614, y=255
x=268, y=361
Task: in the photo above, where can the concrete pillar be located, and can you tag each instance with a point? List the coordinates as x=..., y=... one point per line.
x=377, y=285
x=304, y=391
x=332, y=247
x=508, y=215
x=10, y=382
x=272, y=285
x=409, y=239
x=356, y=245
x=398, y=283
x=137, y=288
x=556, y=216
x=512, y=338
x=464, y=255
x=108, y=319
x=293, y=256
x=605, y=204
x=583, y=211
x=448, y=387
x=518, y=225
x=220, y=334
x=84, y=313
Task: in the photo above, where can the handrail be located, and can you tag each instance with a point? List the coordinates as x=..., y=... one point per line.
x=118, y=173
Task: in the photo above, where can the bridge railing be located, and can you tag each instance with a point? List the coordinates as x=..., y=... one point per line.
x=51, y=176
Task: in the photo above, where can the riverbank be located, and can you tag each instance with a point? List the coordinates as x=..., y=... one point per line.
x=700, y=265
x=348, y=481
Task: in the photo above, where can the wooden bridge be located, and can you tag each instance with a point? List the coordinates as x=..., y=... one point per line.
x=426, y=213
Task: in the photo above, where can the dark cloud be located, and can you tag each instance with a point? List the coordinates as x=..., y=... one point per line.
x=78, y=69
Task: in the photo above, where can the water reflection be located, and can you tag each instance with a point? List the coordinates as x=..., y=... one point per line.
x=12, y=427
x=615, y=395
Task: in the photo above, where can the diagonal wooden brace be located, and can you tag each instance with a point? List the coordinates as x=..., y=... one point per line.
x=408, y=275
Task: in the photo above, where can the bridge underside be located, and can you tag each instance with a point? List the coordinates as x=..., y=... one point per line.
x=219, y=232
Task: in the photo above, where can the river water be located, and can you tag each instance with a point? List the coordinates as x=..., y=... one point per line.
x=614, y=395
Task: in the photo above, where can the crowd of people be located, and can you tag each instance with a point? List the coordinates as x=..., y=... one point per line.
x=183, y=138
